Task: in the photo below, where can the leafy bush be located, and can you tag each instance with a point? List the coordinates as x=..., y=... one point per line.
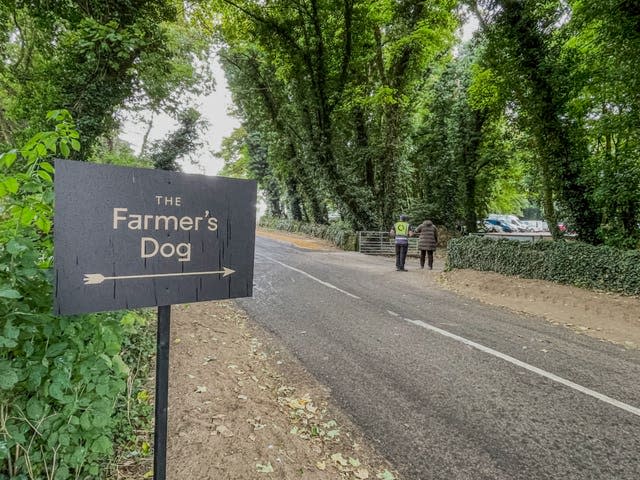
x=60, y=377
x=574, y=263
x=338, y=233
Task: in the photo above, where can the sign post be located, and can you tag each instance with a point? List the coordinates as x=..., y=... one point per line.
x=162, y=393
x=129, y=237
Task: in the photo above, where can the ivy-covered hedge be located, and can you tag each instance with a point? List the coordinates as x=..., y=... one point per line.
x=337, y=233
x=573, y=263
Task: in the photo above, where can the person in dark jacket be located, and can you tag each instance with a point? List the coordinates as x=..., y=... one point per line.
x=401, y=231
x=427, y=241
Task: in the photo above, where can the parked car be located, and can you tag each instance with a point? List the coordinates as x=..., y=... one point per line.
x=497, y=225
x=511, y=220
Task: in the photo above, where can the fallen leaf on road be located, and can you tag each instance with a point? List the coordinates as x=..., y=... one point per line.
x=386, y=475
x=321, y=465
x=361, y=473
x=224, y=431
x=201, y=389
x=338, y=458
x=264, y=468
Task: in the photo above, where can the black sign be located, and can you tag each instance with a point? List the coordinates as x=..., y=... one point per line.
x=131, y=237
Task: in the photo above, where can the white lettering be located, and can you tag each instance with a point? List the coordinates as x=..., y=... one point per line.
x=186, y=223
x=149, y=247
x=135, y=222
x=117, y=217
x=161, y=218
x=143, y=247
x=213, y=224
x=184, y=252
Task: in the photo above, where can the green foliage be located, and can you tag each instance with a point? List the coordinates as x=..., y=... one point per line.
x=574, y=263
x=92, y=57
x=338, y=233
x=176, y=145
x=60, y=377
x=328, y=90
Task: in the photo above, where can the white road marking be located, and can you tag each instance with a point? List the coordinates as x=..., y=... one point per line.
x=531, y=368
x=322, y=282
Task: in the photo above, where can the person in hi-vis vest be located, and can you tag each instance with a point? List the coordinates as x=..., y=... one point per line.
x=401, y=231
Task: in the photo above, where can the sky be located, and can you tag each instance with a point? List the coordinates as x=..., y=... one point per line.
x=213, y=107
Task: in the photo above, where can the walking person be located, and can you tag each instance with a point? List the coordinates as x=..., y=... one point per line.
x=427, y=242
x=401, y=231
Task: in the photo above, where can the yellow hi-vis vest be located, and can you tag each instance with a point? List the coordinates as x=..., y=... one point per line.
x=402, y=232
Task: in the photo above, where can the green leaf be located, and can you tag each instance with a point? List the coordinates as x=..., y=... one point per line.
x=9, y=293
x=62, y=473
x=41, y=149
x=45, y=176
x=101, y=445
x=43, y=224
x=27, y=215
x=56, y=390
x=46, y=166
x=11, y=184
x=9, y=336
x=75, y=144
x=64, y=149
x=85, y=421
x=50, y=142
x=100, y=420
x=14, y=247
x=119, y=367
x=9, y=157
x=8, y=376
x=35, y=409
x=56, y=349
x=11, y=331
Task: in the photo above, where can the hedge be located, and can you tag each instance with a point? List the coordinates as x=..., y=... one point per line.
x=574, y=263
x=337, y=233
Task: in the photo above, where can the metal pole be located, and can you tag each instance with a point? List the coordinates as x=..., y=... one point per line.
x=162, y=394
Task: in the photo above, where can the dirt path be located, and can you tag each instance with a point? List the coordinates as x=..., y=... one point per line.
x=241, y=407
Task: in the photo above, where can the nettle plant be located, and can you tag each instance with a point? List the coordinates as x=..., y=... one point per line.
x=60, y=377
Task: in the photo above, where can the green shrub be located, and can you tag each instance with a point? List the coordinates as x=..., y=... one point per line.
x=62, y=379
x=338, y=233
x=573, y=263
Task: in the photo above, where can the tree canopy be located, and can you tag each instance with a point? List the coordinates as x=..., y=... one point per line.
x=362, y=109
x=375, y=108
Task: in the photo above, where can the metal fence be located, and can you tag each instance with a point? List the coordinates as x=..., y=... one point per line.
x=381, y=243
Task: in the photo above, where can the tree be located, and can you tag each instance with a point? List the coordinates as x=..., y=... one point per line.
x=334, y=80
x=176, y=145
x=90, y=57
x=524, y=49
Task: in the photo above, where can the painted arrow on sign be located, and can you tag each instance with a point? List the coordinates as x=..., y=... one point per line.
x=98, y=278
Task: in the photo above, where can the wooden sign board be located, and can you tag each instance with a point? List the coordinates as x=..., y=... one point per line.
x=131, y=237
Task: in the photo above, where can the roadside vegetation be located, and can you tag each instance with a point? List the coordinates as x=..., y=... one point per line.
x=355, y=109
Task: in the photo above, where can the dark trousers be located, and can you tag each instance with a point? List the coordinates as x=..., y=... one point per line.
x=401, y=255
x=429, y=253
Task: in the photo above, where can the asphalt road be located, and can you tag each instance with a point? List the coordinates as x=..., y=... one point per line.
x=446, y=387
